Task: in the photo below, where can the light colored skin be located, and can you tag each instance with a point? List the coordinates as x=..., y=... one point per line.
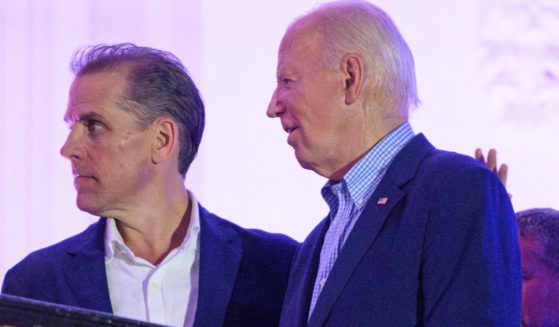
x=330, y=119
x=540, y=286
x=124, y=171
x=491, y=163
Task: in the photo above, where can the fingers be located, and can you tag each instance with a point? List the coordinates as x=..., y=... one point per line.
x=503, y=174
x=491, y=164
x=492, y=160
x=479, y=155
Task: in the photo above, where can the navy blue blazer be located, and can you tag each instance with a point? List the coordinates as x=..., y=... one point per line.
x=243, y=273
x=436, y=245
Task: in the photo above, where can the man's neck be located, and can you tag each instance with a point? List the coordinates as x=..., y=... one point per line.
x=371, y=140
x=155, y=229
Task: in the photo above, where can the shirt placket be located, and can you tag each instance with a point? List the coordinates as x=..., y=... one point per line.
x=333, y=240
x=154, y=296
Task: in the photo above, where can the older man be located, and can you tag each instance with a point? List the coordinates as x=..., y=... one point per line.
x=539, y=245
x=136, y=120
x=415, y=235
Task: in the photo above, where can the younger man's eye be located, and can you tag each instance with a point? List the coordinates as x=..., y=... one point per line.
x=93, y=126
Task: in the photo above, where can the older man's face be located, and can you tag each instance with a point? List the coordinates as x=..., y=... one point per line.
x=540, y=286
x=309, y=101
x=109, y=152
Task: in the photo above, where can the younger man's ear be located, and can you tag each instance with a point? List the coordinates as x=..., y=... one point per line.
x=166, y=134
x=352, y=68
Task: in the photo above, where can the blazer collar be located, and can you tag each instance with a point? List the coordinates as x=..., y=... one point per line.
x=220, y=257
x=84, y=269
x=295, y=311
x=366, y=229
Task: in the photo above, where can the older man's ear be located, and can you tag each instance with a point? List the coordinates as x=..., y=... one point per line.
x=352, y=67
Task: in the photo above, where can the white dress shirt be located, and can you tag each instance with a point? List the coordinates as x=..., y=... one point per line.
x=165, y=294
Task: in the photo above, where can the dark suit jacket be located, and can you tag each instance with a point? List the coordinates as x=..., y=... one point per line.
x=243, y=273
x=442, y=251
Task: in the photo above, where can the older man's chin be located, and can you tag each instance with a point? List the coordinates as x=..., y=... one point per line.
x=302, y=162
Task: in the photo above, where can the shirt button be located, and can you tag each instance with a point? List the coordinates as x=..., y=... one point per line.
x=154, y=285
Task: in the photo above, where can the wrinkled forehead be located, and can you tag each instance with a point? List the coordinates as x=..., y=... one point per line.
x=97, y=85
x=301, y=49
x=300, y=40
x=94, y=91
x=303, y=28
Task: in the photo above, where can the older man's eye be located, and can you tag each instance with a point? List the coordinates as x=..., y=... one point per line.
x=284, y=80
x=288, y=81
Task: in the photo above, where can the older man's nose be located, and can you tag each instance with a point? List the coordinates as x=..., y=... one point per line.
x=274, y=107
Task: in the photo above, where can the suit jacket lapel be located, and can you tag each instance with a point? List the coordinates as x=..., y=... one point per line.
x=84, y=270
x=301, y=278
x=220, y=257
x=370, y=222
x=364, y=233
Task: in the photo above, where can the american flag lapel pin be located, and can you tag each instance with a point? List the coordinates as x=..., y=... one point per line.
x=382, y=200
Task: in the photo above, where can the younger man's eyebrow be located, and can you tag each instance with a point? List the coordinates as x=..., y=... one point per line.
x=85, y=116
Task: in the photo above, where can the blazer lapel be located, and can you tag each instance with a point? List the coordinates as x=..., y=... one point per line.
x=220, y=257
x=84, y=270
x=362, y=236
x=295, y=310
x=370, y=222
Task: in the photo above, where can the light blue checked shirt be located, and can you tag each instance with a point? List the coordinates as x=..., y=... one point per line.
x=348, y=197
